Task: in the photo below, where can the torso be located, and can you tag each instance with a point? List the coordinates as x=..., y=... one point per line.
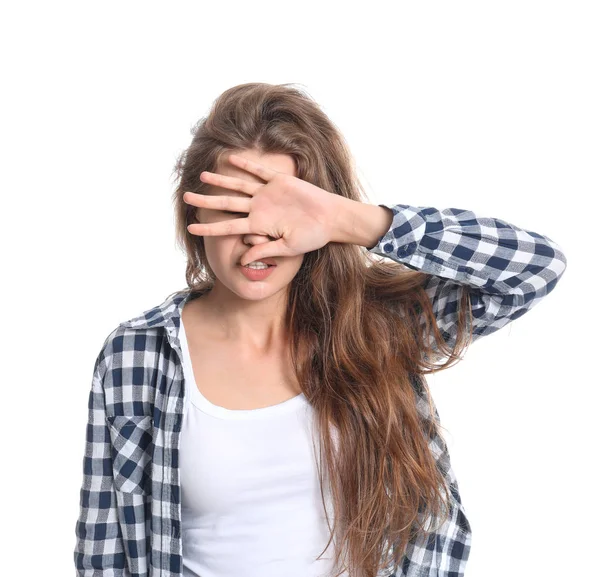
x=227, y=379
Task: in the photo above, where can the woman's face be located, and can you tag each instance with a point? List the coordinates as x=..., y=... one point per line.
x=224, y=252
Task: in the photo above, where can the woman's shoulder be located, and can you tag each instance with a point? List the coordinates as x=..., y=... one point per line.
x=126, y=342
x=160, y=314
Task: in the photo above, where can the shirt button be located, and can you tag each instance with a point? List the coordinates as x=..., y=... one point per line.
x=404, y=250
x=388, y=247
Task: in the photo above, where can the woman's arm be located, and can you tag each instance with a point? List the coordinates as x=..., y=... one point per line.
x=99, y=545
x=508, y=269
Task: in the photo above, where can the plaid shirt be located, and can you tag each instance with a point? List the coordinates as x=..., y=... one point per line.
x=129, y=523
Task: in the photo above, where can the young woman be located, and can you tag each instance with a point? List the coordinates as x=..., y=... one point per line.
x=274, y=419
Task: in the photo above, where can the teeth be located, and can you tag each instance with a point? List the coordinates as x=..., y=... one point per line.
x=257, y=264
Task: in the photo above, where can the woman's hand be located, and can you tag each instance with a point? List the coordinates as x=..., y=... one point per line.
x=296, y=213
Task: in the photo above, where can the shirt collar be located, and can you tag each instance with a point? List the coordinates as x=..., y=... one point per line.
x=167, y=314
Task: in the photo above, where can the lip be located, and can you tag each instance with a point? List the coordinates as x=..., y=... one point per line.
x=256, y=274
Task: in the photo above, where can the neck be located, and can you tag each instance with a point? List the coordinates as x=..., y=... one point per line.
x=252, y=326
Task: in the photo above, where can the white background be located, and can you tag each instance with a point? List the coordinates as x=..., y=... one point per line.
x=486, y=106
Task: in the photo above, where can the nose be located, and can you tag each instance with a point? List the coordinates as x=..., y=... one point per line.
x=252, y=239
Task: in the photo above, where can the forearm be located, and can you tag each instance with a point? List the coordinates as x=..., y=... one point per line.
x=359, y=223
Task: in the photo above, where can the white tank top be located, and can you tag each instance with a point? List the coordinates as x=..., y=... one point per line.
x=251, y=502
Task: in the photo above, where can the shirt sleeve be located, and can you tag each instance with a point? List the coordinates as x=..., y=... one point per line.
x=507, y=269
x=99, y=543
x=445, y=552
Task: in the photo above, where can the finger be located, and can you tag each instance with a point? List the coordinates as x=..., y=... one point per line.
x=265, y=250
x=230, y=182
x=254, y=167
x=232, y=203
x=223, y=228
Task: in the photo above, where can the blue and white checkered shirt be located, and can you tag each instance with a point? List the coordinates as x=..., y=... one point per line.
x=129, y=523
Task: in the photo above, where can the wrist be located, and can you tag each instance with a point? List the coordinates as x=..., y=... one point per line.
x=359, y=223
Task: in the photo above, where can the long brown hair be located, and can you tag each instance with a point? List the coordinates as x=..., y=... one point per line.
x=359, y=331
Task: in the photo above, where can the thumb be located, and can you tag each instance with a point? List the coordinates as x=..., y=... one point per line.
x=265, y=250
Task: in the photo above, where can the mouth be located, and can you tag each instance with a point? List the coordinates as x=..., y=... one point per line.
x=268, y=261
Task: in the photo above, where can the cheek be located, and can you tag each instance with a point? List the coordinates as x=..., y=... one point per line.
x=296, y=265
x=219, y=250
